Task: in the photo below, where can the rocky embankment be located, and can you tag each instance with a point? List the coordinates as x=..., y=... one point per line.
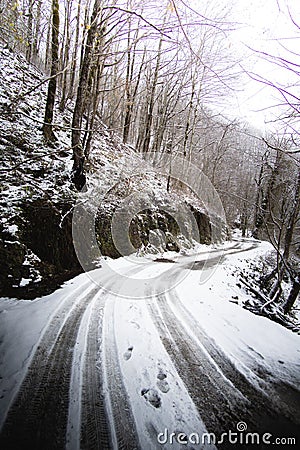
x=37, y=197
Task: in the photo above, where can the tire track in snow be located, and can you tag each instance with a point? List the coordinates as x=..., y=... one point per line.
x=107, y=419
x=48, y=335
x=259, y=400
x=211, y=379
x=38, y=417
x=218, y=404
x=95, y=429
x=125, y=433
x=195, y=330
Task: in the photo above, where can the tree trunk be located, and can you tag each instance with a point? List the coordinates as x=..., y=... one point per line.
x=188, y=120
x=151, y=101
x=258, y=219
x=37, y=30
x=128, y=97
x=78, y=176
x=48, y=46
x=95, y=81
x=244, y=221
x=75, y=52
x=292, y=221
x=130, y=93
x=47, y=127
x=265, y=206
x=29, y=31
x=65, y=57
x=293, y=295
x=283, y=259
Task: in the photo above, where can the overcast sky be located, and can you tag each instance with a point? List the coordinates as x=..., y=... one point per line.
x=262, y=23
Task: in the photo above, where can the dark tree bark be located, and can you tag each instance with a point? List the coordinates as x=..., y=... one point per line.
x=37, y=31
x=96, y=73
x=264, y=207
x=29, y=31
x=75, y=52
x=293, y=295
x=292, y=221
x=131, y=92
x=258, y=219
x=78, y=176
x=65, y=56
x=187, y=125
x=151, y=100
x=49, y=111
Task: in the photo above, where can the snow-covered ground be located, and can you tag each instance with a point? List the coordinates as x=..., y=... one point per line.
x=137, y=340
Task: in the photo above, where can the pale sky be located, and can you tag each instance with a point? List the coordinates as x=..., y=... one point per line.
x=262, y=24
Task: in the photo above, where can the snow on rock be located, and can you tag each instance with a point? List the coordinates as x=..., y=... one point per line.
x=37, y=198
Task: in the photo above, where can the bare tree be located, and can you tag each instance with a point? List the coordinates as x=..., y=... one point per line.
x=49, y=110
x=78, y=176
x=277, y=208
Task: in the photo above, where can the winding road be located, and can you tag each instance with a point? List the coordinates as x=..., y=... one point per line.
x=73, y=395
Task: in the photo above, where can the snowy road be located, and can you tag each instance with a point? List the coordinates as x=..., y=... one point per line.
x=86, y=369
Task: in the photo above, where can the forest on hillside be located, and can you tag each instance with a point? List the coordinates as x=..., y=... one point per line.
x=152, y=76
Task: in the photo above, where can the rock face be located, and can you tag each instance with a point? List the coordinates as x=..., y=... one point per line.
x=204, y=225
x=152, y=231
x=12, y=258
x=149, y=230
x=37, y=258
x=49, y=237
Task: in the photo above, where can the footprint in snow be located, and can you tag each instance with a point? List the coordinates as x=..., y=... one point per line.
x=162, y=383
x=135, y=324
x=128, y=353
x=151, y=395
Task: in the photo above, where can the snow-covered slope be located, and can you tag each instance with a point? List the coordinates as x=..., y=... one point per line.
x=37, y=197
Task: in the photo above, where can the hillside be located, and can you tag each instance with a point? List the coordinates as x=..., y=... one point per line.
x=37, y=197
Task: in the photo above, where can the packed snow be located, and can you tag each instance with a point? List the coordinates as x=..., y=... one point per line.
x=158, y=396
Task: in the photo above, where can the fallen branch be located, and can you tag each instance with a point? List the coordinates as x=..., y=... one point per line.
x=255, y=291
x=273, y=314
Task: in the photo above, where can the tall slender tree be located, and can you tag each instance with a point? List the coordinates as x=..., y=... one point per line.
x=49, y=110
x=78, y=175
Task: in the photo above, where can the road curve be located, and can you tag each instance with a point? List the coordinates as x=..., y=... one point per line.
x=40, y=415
x=222, y=394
